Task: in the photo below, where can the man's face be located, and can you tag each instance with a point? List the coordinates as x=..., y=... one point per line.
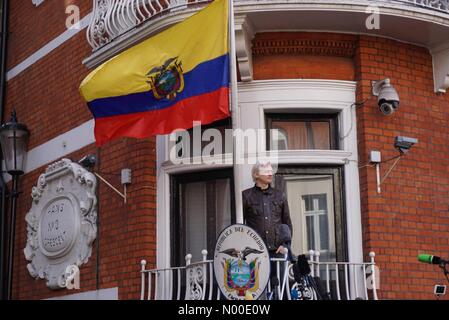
x=265, y=175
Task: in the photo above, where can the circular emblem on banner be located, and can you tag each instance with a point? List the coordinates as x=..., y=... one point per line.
x=241, y=263
x=166, y=81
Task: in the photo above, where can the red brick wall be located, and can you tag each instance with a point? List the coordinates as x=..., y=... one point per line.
x=126, y=234
x=410, y=216
x=30, y=27
x=303, y=67
x=46, y=95
x=47, y=99
x=302, y=55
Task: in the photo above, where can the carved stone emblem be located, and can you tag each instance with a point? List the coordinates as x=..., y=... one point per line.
x=241, y=263
x=61, y=224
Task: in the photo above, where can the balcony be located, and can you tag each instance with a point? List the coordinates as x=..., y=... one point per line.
x=114, y=18
x=119, y=24
x=195, y=281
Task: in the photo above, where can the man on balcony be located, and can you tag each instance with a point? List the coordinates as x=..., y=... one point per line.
x=266, y=211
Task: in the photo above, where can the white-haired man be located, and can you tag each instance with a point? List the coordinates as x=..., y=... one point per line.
x=266, y=210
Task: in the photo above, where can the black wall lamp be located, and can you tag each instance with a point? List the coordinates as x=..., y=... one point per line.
x=14, y=140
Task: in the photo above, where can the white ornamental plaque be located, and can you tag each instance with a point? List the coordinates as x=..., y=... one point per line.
x=61, y=223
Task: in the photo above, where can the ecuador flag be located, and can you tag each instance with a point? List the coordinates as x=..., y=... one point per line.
x=166, y=82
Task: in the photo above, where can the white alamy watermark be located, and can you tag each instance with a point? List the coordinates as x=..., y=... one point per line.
x=372, y=22
x=213, y=146
x=73, y=19
x=37, y=2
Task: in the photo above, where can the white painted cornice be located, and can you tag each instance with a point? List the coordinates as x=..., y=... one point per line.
x=287, y=84
x=244, y=34
x=440, y=61
x=298, y=91
x=398, y=19
x=324, y=157
x=402, y=9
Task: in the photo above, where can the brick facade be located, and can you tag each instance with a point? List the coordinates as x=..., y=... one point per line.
x=127, y=232
x=43, y=24
x=407, y=218
x=47, y=99
x=410, y=215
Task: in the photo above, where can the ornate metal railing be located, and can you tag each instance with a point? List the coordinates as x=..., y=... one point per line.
x=112, y=18
x=195, y=281
x=440, y=5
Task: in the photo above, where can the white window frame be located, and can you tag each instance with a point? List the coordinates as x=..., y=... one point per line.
x=257, y=97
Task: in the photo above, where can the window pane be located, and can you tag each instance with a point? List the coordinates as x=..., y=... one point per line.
x=322, y=202
x=207, y=211
x=195, y=207
x=310, y=199
x=289, y=133
x=279, y=140
x=296, y=133
x=310, y=233
x=324, y=233
x=308, y=203
x=321, y=135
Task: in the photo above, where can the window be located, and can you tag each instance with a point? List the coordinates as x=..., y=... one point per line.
x=290, y=131
x=316, y=209
x=317, y=222
x=202, y=206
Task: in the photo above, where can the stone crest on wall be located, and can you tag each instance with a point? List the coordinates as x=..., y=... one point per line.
x=61, y=224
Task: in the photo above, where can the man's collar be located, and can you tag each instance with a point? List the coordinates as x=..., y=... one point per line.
x=269, y=189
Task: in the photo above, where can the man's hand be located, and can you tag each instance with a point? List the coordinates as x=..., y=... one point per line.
x=281, y=250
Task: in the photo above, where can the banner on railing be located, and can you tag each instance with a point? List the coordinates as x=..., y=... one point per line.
x=241, y=263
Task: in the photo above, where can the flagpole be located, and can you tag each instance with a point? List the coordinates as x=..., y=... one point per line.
x=235, y=115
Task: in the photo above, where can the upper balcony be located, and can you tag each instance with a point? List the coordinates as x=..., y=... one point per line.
x=119, y=24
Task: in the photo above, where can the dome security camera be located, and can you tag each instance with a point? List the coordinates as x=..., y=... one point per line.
x=387, y=96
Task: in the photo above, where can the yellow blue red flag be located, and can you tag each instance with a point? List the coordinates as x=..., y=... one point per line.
x=166, y=82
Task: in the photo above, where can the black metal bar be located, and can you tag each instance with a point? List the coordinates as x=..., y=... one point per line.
x=97, y=263
x=2, y=238
x=12, y=231
x=3, y=187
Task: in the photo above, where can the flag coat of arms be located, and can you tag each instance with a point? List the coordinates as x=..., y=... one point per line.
x=166, y=82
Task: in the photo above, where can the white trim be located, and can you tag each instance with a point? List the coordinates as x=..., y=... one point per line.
x=102, y=294
x=283, y=95
x=59, y=146
x=162, y=202
x=388, y=10
x=398, y=9
x=313, y=96
x=440, y=64
x=49, y=47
